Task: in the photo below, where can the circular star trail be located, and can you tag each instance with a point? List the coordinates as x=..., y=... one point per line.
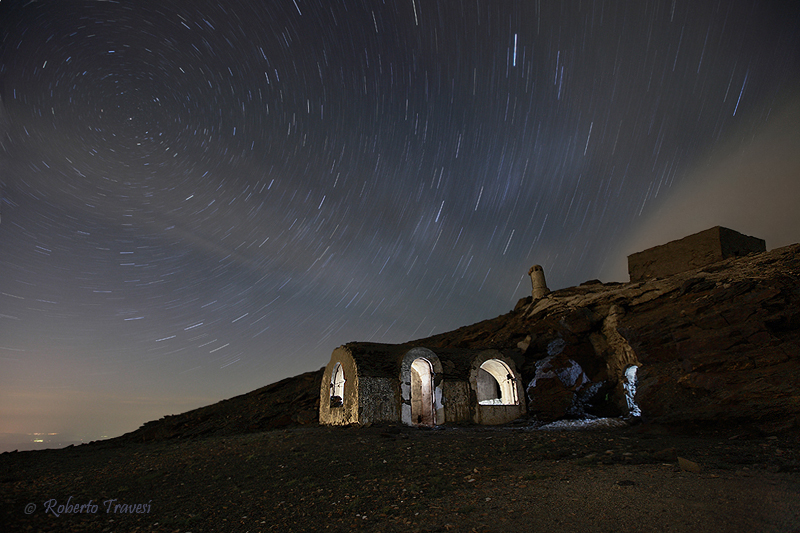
x=202, y=198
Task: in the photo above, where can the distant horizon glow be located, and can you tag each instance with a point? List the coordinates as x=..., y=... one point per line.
x=197, y=200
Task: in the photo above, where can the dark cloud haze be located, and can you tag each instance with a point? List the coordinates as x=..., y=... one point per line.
x=200, y=198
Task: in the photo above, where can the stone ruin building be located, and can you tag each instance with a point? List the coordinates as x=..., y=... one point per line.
x=366, y=383
x=694, y=251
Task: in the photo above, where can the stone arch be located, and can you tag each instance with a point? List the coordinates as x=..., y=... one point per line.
x=496, y=384
x=496, y=389
x=339, y=379
x=421, y=388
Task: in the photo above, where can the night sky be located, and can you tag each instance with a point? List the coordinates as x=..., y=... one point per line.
x=201, y=198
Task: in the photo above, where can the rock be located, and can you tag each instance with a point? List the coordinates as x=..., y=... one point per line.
x=523, y=345
x=523, y=302
x=550, y=399
x=723, y=361
x=305, y=417
x=279, y=422
x=580, y=320
x=699, y=284
x=591, y=401
x=688, y=466
x=553, y=389
x=667, y=455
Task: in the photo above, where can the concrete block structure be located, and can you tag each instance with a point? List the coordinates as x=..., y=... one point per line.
x=367, y=383
x=694, y=251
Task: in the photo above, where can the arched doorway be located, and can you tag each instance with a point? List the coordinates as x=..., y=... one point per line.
x=421, y=388
x=496, y=384
x=422, y=410
x=496, y=391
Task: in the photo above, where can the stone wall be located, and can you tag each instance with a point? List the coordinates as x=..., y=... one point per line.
x=379, y=399
x=457, y=401
x=694, y=251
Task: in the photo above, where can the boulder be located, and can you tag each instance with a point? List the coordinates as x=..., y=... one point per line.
x=553, y=389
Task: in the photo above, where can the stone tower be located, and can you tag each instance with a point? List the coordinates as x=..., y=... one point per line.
x=538, y=283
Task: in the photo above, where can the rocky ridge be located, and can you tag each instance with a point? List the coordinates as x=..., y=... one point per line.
x=289, y=402
x=718, y=345
x=715, y=346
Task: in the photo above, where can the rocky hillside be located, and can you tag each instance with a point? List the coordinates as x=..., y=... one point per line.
x=718, y=345
x=291, y=401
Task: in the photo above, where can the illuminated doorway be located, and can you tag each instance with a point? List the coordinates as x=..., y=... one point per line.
x=337, y=386
x=422, y=410
x=496, y=384
x=421, y=397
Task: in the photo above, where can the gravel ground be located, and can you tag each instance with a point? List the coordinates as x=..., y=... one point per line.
x=405, y=479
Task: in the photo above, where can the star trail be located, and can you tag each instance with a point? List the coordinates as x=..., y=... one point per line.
x=200, y=198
